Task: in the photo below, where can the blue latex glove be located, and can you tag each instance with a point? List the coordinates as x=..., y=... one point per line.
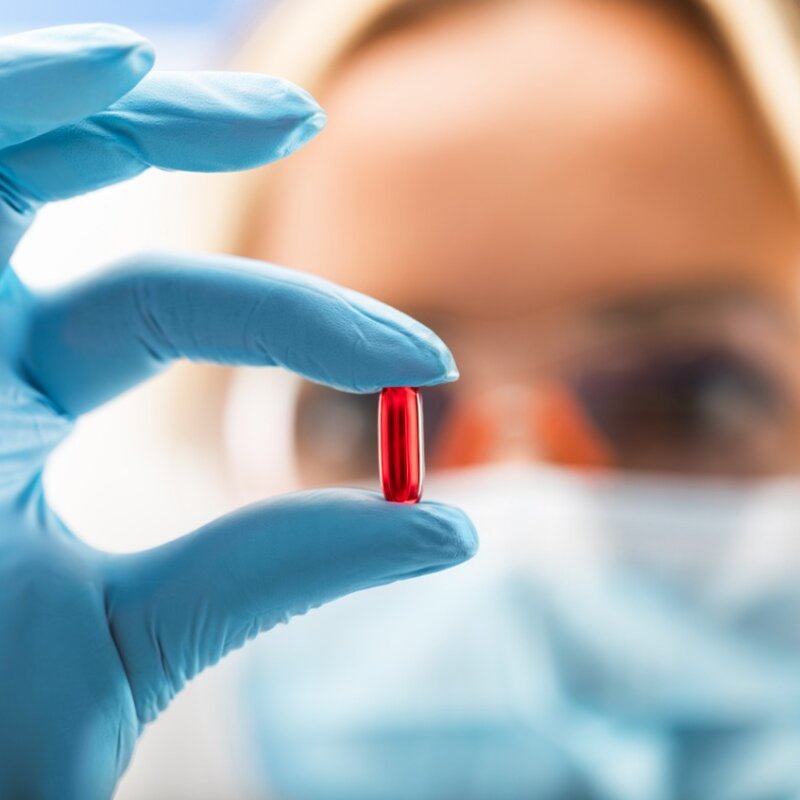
x=94, y=646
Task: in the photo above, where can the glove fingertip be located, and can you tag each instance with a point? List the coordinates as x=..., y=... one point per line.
x=108, y=44
x=453, y=532
x=301, y=134
x=442, y=365
x=141, y=57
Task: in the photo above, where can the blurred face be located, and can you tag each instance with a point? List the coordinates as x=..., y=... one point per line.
x=577, y=196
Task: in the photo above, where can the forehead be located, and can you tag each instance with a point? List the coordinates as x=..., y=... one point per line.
x=512, y=155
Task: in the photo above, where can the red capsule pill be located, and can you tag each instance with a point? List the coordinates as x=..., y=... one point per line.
x=400, y=444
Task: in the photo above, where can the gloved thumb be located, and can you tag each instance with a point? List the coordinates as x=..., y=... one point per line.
x=179, y=608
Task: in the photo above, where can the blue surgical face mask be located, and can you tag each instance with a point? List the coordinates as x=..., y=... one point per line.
x=616, y=637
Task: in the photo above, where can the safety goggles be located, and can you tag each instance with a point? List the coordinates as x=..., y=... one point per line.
x=698, y=383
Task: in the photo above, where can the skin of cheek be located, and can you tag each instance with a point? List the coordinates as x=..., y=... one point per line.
x=515, y=156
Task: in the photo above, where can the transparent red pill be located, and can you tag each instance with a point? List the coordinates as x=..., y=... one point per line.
x=400, y=444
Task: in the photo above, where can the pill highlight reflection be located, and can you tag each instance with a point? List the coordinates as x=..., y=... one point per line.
x=400, y=444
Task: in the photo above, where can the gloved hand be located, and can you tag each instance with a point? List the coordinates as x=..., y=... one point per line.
x=93, y=646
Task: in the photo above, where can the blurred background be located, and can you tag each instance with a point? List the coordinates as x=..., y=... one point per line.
x=595, y=203
x=190, y=34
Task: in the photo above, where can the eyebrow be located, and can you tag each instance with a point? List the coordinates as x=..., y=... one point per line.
x=656, y=307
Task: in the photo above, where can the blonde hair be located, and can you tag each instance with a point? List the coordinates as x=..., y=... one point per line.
x=764, y=38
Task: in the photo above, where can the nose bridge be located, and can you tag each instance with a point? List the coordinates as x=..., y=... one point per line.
x=509, y=403
x=497, y=420
x=521, y=421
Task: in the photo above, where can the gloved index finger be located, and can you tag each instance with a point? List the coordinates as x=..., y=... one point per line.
x=92, y=341
x=53, y=76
